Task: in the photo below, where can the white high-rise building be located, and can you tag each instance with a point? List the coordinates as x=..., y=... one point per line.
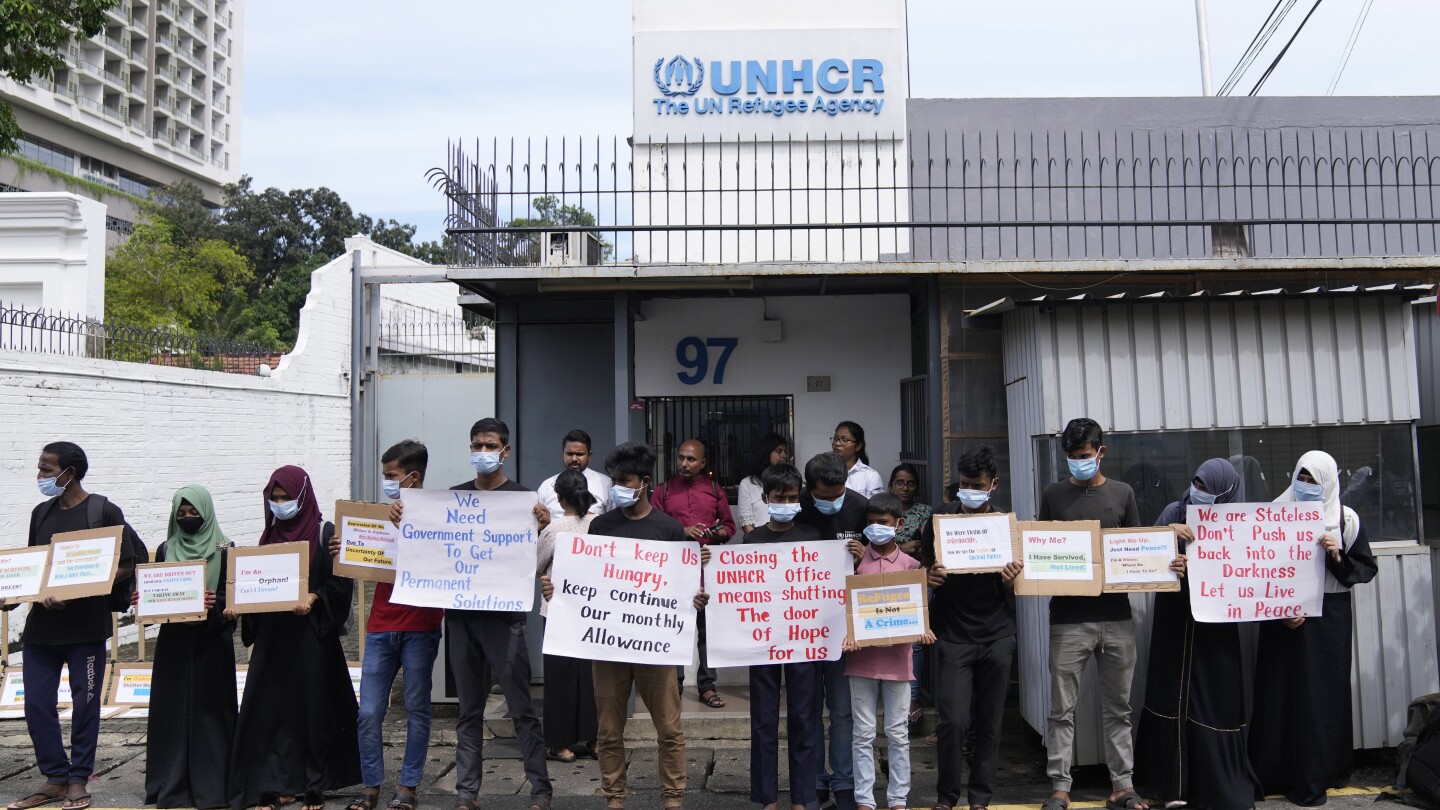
x=153, y=99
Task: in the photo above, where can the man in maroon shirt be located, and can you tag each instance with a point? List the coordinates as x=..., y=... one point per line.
x=701, y=506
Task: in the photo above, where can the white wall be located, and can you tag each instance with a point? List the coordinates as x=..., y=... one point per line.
x=52, y=245
x=861, y=342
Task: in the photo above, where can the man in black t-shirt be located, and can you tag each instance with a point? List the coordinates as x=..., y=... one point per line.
x=70, y=633
x=1085, y=627
x=631, y=466
x=973, y=616
x=475, y=639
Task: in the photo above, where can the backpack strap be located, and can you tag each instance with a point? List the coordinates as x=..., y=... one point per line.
x=95, y=510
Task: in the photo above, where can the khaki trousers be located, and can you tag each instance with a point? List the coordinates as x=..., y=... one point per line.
x=656, y=685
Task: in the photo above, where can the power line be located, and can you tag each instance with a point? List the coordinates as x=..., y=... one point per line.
x=1257, y=44
x=1350, y=46
x=1266, y=75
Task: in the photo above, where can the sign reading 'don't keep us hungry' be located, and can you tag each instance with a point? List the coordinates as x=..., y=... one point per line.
x=466, y=550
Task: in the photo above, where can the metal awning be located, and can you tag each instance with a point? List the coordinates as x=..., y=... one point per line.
x=1002, y=305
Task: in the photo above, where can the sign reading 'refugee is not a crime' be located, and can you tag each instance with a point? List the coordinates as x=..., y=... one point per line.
x=466, y=550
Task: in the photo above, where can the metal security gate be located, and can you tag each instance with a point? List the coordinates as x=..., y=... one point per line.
x=729, y=427
x=915, y=428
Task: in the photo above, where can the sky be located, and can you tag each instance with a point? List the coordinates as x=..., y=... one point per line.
x=361, y=95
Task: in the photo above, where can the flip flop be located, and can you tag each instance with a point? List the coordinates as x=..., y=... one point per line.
x=1129, y=800
x=37, y=799
x=76, y=798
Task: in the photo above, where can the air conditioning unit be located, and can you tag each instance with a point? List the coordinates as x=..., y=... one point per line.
x=569, y=249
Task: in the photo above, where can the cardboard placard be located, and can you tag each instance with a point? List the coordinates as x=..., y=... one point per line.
x=130, y=684
x=267, y=579
x=170, y=592
x=12, y=688
x=83, y=563
x=1254, y=562
x=465, y=550
x=367, y=541
x=241, y=672
x=776, y=603
x=1060, y=557
x=22, y=573
x=886, y=609
x=355, y=668
x=1138, y=560
x=975, y=544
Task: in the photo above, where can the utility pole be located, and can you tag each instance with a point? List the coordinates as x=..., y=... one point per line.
x=1203, y=31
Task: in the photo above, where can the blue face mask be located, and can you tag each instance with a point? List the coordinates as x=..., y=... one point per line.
x=973, y=498
x=485, y=462
x=829, y=507
x=48, y=487
x=1202, y=497
x=1083, y=469
x=879, y=534
x=625, y=496
x=286, y=510
x=391, y=489
x=784, y=512
x=1308, y=492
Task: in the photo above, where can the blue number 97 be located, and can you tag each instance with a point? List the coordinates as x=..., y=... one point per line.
x=690, y=353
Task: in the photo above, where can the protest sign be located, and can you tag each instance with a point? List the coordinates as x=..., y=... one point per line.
x=466, y=550
x=22, y=573
x=170, y=592
x=356, y=668
x=367, y=541
x=1060, y=557
x=1139, y=560
x=623, y=600
x=974, y=544
x=242, y=671
x=130, y=684
x=12, y=688
x=886, y=609
x=83, y=563
x=775, y=603
x=267, y=579
x=1255, y=561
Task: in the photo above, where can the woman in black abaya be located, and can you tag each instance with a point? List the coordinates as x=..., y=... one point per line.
x=1301, y=741
x=296, y=732
x=1190, y=746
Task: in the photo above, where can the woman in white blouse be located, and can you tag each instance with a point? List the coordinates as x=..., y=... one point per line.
x=849, y=442
x=774, y=449
x=569, y=688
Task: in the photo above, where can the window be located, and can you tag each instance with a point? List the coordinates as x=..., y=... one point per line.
x=1377, y=467
x=49, y=154
x=729, y=427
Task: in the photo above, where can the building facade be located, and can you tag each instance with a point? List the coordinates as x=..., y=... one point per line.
x=153, y=99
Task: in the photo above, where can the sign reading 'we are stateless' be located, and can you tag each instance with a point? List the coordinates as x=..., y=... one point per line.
x=1255, y=561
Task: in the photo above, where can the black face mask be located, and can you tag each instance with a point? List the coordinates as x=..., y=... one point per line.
x=190, y=525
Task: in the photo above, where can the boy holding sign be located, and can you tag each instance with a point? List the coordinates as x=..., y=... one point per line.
x=781, y=493
x=1085, y=627
x=882, y=673
x=973, y=617
x=396, y=636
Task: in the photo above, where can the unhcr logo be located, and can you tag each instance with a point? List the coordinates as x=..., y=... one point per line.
x=683, y=77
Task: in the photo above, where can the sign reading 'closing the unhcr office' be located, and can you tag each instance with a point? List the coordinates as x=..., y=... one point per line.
x=781, y=83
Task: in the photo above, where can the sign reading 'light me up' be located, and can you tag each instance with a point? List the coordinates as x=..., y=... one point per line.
x=759, y=84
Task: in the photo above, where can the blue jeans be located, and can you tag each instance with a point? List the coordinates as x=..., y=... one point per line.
x=866, y=695
x=834, y=694
x=385, y=654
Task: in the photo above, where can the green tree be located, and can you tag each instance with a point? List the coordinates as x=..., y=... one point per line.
x=153, y=281
x=33, y=35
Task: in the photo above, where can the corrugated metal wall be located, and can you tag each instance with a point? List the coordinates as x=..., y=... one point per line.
x=1197, y=364
x=1427, y=347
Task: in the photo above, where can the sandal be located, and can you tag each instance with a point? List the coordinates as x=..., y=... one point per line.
x=1055, y=803
x=315, y=800
x=712, y=699
x=76, y=798
x=365, y=801
x=554, y=754
x=39, y=798
x=403, y=801
x=273, y=801
x=467, y=804
x=1129, y=800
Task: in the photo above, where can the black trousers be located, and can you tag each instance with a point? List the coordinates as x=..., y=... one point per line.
x=802, y=726
x=475, y=639
x=984, y=671
x=705, y=674
x=42, y=717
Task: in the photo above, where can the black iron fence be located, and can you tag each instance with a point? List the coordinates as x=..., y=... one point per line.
x=1141, y=194
x=44, y=332
x=420, y=341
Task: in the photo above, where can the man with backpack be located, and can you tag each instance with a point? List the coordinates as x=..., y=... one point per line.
x=702, y=507
x=74, y=633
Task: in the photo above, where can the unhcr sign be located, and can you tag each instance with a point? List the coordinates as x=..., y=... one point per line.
x=787, y=83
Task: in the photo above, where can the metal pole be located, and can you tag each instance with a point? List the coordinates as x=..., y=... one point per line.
x=357, y=365
x=1203, y=32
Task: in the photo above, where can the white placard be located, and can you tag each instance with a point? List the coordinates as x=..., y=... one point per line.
x=132, y=685
x=466, y=550
x=1139, y=557
x=1059, y=555
x=12, y=692
x=775, y=603
x=623, y=600
x=975, y=543
x=170, y=589
x=22, y=572
x=82, y=563
x=1255, y=561
x=266, y=579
